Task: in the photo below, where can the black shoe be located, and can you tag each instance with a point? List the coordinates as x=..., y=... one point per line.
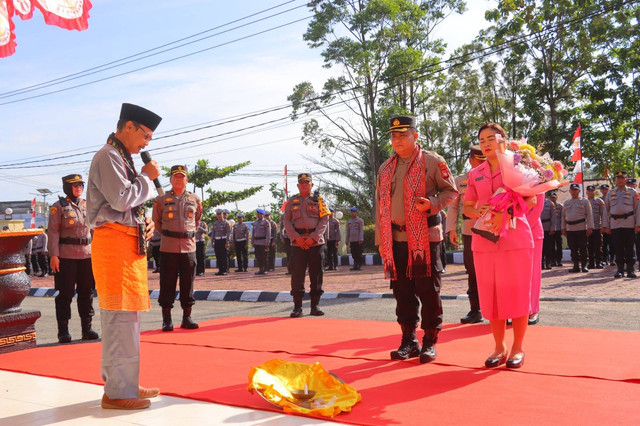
x=612, y=263
x=87, y=332
x=353, y=269
x=199, y=274
x=409, y=349
x=591, y=265
x=585, y=269
x=618, y=274
x=64, y=338
x=239, y=270
x=316, y=312
x=156, y=271
x=631, y=274
x=574, y=269
x=427, y=354
x=220, y=273
x=261, y=273
x=599, y=265
x=517, y=362
x=533, y=319
x=495, y=362
x=509, y=322
x=272, y=270
x=473, y=317
x=296, y=313
x=444, y=271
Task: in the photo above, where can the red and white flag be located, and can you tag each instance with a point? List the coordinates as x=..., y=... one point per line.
x=578, y=171
x=575, y=146
x=33, y=213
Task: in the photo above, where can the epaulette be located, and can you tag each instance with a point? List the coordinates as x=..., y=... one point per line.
x=63, y=201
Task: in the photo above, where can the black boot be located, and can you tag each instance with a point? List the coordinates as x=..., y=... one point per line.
x=315, y=300
x=297, y=307
x=473, y=317
x=87, y=332
x=576, y=268
x=167, y=324
x=63, y=331
x=428, y=352
x=409, y=345
x=187, y=322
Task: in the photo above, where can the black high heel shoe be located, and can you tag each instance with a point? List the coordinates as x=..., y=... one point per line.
x=495, y=362
x=516, y=362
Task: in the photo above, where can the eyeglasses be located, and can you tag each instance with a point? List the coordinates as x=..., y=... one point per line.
x=147, y=135
x=78, y=185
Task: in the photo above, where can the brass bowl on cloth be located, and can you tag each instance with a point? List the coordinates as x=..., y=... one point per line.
x=300, y=394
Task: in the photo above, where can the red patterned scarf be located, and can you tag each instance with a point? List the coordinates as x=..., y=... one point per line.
x=414, y=185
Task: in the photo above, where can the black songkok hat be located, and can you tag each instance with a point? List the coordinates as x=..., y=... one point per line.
x=402, y=123
x=131, y=112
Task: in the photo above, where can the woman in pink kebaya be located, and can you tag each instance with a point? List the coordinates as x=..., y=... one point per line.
x=503, y=268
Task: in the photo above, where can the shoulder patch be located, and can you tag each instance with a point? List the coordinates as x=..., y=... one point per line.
x=54, y=210
x=444, y=170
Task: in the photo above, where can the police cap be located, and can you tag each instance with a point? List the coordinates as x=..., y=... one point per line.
x=574, y=186
x=591, y=188
x=260, y=211
x=621, y=174
x=179, y=169
x=631, y=180
x=267, y=213
x=131, y=112
x=239, y=214
x=74, y=178
x=604, y=186
x=553, y=194
x=218, y=211
x=476, y=152
x=304, y=177
x=402, y=123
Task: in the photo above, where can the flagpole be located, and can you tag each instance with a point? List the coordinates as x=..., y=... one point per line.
x=581, y=163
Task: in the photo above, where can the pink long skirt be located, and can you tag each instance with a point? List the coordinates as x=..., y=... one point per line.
x=504, y=282
x=536, y=278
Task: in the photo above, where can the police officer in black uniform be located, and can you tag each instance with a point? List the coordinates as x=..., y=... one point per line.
x=69, y=245
x=305, y=219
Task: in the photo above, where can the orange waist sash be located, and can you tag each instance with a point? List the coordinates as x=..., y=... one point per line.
x=119, y=271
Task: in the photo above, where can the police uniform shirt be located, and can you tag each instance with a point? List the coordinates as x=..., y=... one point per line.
x=333, y=232
x=40, y=243
x=305, y=213
x=68, y=220
x=558, y=222
x=156, y=239
x=240, y=232
x=178, y=214
x=440, y=190
x=597, y=208
x=111, y=197
x=355, y=230
x=456, y=207
x=202, y=231
x=621, y=202
x=548, y=216
x=220, y=230
x=274, y=231
x=261, y=234
x=577, y=209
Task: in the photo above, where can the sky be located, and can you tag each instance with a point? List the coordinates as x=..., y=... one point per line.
x=204, y=90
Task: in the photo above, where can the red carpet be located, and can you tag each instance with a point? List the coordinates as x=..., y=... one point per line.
x=562, y=381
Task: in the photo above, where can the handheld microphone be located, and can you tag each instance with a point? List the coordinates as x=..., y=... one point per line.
x=146, y=157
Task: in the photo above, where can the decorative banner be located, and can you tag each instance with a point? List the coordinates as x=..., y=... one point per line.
x=68, y=14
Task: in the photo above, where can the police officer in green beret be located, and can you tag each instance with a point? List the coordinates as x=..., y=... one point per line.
x=69, y=245
x=176, y=216
x=305, y=220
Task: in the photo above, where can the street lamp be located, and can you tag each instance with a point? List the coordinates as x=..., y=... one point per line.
x=44, y=192
x=7, y=213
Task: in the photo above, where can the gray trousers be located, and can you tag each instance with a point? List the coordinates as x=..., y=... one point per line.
x=120, y=353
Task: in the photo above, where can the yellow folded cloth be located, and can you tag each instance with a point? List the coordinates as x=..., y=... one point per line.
x=276, y=379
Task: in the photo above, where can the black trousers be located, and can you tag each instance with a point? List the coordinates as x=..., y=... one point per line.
x=356, y=253
x=594, y=242
x=558, y=246
x=34, y=264
x=27, y=263
x=43, y=262
x=608, y=252
x=577, y=241
x=261, y=257
x=623, y=240
x=472, y=291
x=272, y=256
x=332, y=254
x=548, y=249
x=242, y=254
x=155, y=252
x=313, y=258
x=74, y=275
x=417, y=294
x=200, y=251
x=222, y=259
x=172, y=265
x=287, y=251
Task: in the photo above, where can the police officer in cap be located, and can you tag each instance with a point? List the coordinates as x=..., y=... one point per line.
x=595, y=239
x=548, y=220
x=577, y=225
x=621, y=219
x=632, y=183
x=332, y=237
x=305, y=219
x=271, y=258
x=260, y=238
x=240, y=239
x=220, y=237
x=607, y=246
x=556, y=230
x=355, y=238
x=176, y=216
x=409, y=235
x=69, y=245
x=475, y=159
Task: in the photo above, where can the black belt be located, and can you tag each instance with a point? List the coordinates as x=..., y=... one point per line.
x=546, y=220
x=431, y=221
x=178, y=234
x=575, y=222
x=259, y=239
x=305, y=231
x=69, y=240
x=622, y=216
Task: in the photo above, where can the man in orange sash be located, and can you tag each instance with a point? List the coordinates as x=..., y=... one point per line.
x=115, y=197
